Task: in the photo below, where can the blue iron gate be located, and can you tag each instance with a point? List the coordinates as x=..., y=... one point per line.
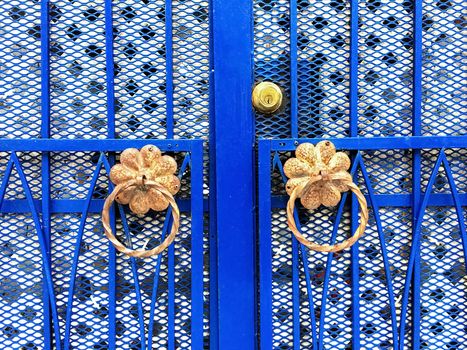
x=81, y=81
x=383, y=81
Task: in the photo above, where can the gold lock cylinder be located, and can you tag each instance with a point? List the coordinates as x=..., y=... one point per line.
x=266, y=97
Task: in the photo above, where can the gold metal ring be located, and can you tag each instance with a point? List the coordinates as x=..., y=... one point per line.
x=140, y=253
x=327, y=247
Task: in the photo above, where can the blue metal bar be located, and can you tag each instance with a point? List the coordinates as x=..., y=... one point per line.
x=414, y=251
x=353, y=93
x=74, y=266
x=416, y=166
x=69, y=145
x=75, y=205
x=293, y=47
x=213, y=295
x=197, y=261
x=134, y=270
x=349, y=143
x=109, y=69
x=156, y=281
x=377, y=143
x=295, y=292
x=45, y=166
x=355, y=269
x=171, y=296
x=232, y=45
x=169, y=86
x=112, y=272
x=265, y=249
x=43, y=246
x=387, y=271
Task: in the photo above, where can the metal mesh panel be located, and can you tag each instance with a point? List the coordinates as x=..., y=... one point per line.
x=191, y=68
x=77, y=69
x=444, y=67
x=443, y=291
x=385, y=70
x=140, y=69
x=20, y=69
x=323, y=69
x=385, y=67
x=384, y=257
x=375, y=303
x=21, y=298
x=391, y=171
x=272, y=60
x=161, y=79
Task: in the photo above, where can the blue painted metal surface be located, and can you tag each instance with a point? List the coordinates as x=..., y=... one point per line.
x=235, y=166
x=81, y=81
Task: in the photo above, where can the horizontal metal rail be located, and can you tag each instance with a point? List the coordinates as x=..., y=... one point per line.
x=375, y=143
x=83, y=145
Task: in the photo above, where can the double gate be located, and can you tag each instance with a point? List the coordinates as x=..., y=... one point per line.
x=81, y=81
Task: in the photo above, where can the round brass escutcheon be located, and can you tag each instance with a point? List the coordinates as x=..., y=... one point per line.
x=267, y=97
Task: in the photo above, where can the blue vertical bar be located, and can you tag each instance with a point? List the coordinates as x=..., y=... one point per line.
x=213, y=295
x=235, y=183
x=109, y=62
x=353, y=104
x=169, y=88
x=45, y=167
x=295, y=293
x=197, y=302
x=171, y=296
x=353, y=93
x=416, y=164
x=293, y=69
x=265, y=249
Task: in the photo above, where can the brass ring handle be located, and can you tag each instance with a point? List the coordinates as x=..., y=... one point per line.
x=140, y=253
x=145, y=180
x=318, y=176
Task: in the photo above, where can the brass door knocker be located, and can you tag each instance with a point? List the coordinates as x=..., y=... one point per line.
x=317, y=176
x=145, y=180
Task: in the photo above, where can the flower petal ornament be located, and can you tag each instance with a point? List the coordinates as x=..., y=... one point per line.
x=145, y=180
x=317, y=176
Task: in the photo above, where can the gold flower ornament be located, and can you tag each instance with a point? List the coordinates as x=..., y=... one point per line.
x=317, y=176
x=145, y=179
x=142, y=166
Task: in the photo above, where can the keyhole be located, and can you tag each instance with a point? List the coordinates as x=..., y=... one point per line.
x=268, y=99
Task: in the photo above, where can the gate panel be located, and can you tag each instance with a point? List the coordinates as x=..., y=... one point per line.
x=80, y=82
x=310, y=299
x=372, y=77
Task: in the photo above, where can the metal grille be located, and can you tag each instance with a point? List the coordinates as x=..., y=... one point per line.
x=307, y=44
x=326, y=301
x=109, y=70
x=382, y=69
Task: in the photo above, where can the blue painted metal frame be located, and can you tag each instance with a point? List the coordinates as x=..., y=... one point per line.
x=412, y=281
x=235, y=167
x=196, y=204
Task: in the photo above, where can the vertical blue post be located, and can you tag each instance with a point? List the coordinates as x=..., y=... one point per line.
x=235, y=181
x=293, y=69
x=265, y=248
x=213, y=293
x=169, y=88
x=109, y=63
x=416, y=168
x=354, y=133
x=197, y=302
x=45, y=167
